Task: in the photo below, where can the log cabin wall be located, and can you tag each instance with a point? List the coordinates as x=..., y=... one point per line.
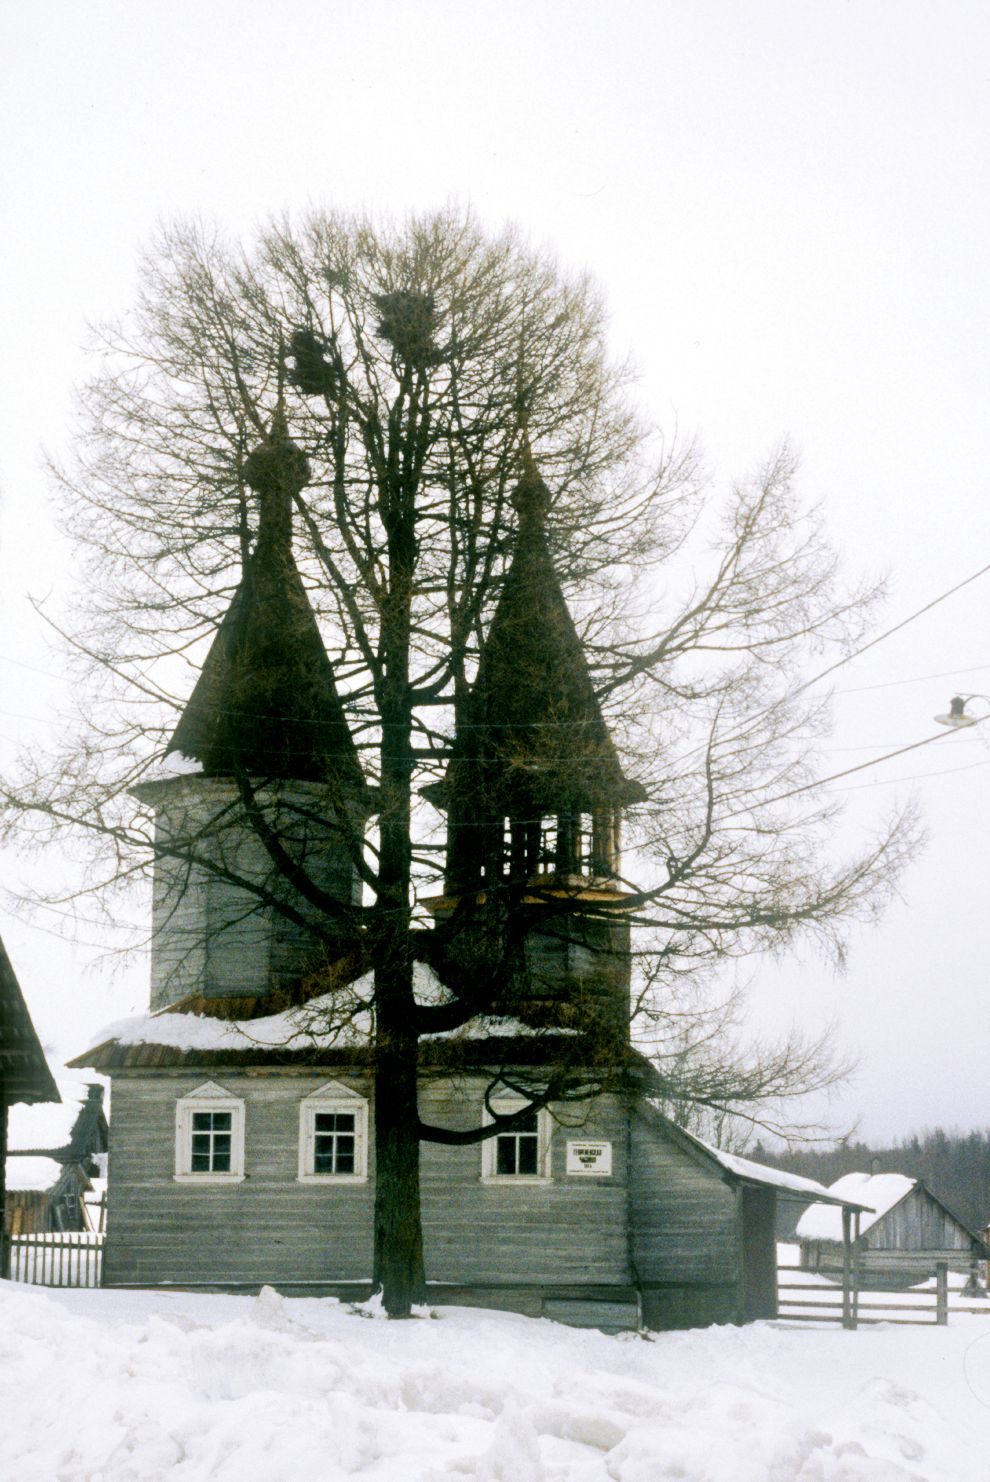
x=532, y=1238
x=571, y=1229
x=685, y=1232
x=268, y=1229
x=211, y=936
x=918, y=1222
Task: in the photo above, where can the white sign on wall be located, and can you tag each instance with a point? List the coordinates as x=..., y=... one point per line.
x=590, y=1157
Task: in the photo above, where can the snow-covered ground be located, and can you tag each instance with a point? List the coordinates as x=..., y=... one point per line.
x=139, y=1386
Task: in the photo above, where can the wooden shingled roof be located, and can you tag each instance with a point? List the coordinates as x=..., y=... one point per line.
x=266, y=703
x=535, y=740
x=24, y=1073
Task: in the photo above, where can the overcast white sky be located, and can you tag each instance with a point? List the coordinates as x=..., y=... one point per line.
x=786, y=204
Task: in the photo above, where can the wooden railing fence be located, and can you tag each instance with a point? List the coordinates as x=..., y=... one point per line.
x=59, y=1258
x=845, y=1304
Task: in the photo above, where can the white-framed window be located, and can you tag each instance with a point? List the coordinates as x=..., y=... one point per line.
x=333, y=1136
x=209, y=1136
x=522, y=1154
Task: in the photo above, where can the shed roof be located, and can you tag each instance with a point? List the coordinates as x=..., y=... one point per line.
x=790, y=1186
x=877, y=1191
x=76, y=1125
x=32, y=1174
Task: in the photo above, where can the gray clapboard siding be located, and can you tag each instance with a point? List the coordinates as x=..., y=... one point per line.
x=271, y=1228
x=685, y=1232
x=210, y=935
x=683, y=1215
x=573, y=1228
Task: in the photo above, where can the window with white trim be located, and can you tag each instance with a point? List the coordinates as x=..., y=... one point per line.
x=333, y=1136
x=209, y=1136
x=520, y=1154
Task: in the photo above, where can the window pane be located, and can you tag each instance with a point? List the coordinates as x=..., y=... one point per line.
x=200, y=1162
x=527, y=1155
x=334, y=1142
x=222, y=1121
x=202, y=1121
x=505, y=1161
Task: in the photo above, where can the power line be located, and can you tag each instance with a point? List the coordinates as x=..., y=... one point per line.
x=912, y=617
x=861, y=689
x=848, y=771
x=913, y=777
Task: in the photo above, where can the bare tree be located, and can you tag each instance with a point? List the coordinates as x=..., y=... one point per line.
x=392, y=385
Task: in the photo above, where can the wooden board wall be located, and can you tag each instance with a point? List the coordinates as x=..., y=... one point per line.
x=270, y=1228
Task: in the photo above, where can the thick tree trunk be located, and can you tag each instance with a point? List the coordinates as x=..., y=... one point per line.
x=398, y=1228
x=399, y=1270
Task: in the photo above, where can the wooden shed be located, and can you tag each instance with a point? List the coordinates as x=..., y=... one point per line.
x=24, y=1073
x=908, y=1231
x=56, y=1162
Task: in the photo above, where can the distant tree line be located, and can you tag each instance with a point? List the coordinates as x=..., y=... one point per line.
x=955, y=1166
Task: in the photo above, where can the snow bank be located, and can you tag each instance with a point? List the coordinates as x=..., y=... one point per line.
x=878, y=1191
x=103, y=1386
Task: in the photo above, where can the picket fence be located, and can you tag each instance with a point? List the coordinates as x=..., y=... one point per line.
x=62, y=1258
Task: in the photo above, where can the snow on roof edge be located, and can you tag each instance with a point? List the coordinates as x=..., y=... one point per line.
x=877, y=1192
x=776, y=1178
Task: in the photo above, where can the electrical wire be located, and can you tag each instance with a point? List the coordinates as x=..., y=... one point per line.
x=912, y=617
x=849, y=771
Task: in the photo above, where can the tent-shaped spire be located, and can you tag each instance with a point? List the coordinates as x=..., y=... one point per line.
x=265, y=702
x=535, y=742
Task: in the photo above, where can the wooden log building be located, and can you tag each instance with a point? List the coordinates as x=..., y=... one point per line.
x=906, y=1233
x=242, y=1140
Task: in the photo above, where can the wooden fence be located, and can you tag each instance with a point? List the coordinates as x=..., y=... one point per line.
x=63, y=1258
x=850, y=1306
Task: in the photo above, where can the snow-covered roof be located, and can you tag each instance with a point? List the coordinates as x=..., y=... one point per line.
x=47, y=1125
x=879, y=1192
x=315, y=1025
x=303, y=1027
x=774, y=1178
x=494, y=1026
x=29, y=1174
x=175, y=764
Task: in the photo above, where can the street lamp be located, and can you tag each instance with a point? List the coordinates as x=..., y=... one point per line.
x=956, y=716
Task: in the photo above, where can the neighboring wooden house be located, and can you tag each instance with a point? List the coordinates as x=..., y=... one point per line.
x=242, y=1142
x=24, y=1074
x=56, y=1163
x=908, y=1231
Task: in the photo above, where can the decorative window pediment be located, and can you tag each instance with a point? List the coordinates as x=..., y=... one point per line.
x=209, y=1136
x=333, y=1136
